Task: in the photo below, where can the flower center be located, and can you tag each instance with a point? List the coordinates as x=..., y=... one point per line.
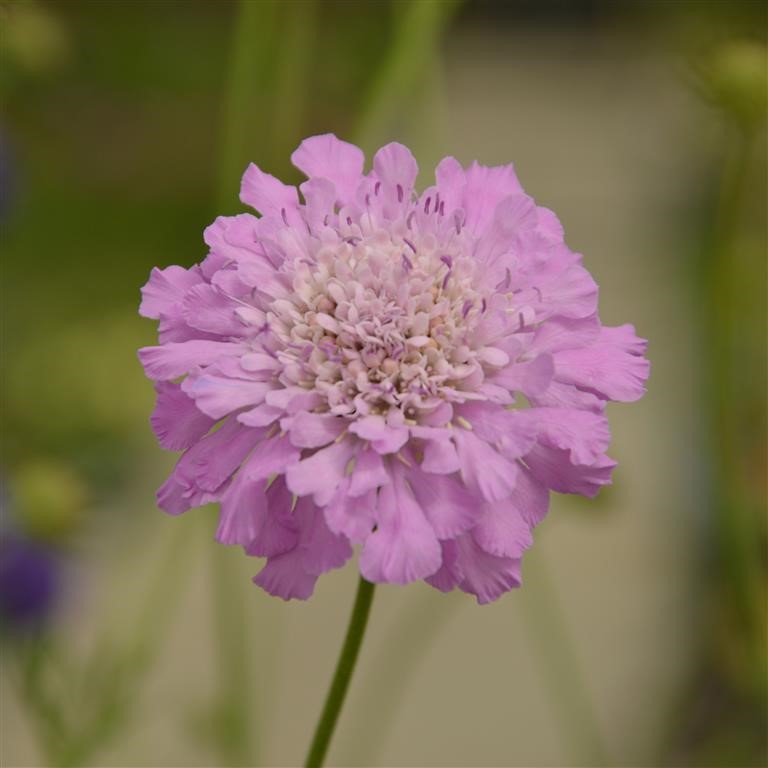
x=382, y=322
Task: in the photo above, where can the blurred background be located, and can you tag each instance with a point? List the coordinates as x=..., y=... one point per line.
x=130, y=638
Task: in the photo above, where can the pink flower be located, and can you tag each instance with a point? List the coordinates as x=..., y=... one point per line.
x=368, y=366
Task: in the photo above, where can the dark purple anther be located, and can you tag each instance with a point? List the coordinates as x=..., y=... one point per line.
x=377, y=188
x=426, y=204
x=447, y=260
x=465, y=309
x=522, y=321
x=349, y=221
x=409, y=244
x=442, y=208
x=284, y=215
x=457, y=222
x=483, y=306
x=399, y=194
x=367, y=201
x=505, y=284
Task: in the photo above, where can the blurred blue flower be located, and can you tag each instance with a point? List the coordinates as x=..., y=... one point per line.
x=29, y=582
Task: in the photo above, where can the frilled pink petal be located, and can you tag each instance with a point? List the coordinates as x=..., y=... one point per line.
x=368, y=473
x=449, y=575
x=176, y=420
x=260, y=416
x=170, y=361
x=383, y=437
x=175, y=498
x=484, y=189
x=268, y=195
x=320, y=200
x=338, y=161
x=513, y=433
x=404, y=547
x=513, y=216
x=440, y=457
x=278, y=530
x=283, y=576
x=272, y=455
x=218, y=395
x=208, y=309
x=553, y=468
x=561, y=333
x=321, y=473
x=322, y=549
x=613, y=366
x=483, y=469
x=352, y=516
x=450, y=178
x=583, y=433
x=532, y=378
x=212, y=461
x=243, y=509
x=166, y=288
x=502, y=529
x=486, y=576
x=530, y=498
x=313, y=430
x=559, y=285
x=395, y=166
x=448, y=506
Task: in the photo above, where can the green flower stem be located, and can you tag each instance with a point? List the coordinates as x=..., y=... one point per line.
x=344, y=668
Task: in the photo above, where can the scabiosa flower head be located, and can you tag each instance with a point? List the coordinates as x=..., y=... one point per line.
x=366, y=365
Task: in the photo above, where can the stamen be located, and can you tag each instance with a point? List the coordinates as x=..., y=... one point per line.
x=284, y=215
x=409, y=244
x=399, y=194
x=426, y=204
x=463, y=422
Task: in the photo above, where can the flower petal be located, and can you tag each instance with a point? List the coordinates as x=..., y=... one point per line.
x=328, y=157
x=404, y=547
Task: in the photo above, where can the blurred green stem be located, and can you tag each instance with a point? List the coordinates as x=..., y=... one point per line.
x=738, y=524
x=418, y=28
x=559, y=668
x=344, y=668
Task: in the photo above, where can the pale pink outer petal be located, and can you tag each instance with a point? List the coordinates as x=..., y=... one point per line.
x=450, y=508
x=176, y=420
x=169, y=361
x=502, y=529
x=321, y=473
x=313, y=430
x=166, y=288
x=383, y=437
x=613, y=366
x=485, y=576
x=268, y=195
x=532, y=378
x=243, y=509
x=328, y=157
x=584, y=433
x=484, y=189
x=208, y=309
x=283, y=577
x=404, y=547
x=353, y=516
x=483, y=469
x=449, y=575
x=553, y=468
x=395, y=165
x=368, y=473
x=218, y=396
x=450, y=178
